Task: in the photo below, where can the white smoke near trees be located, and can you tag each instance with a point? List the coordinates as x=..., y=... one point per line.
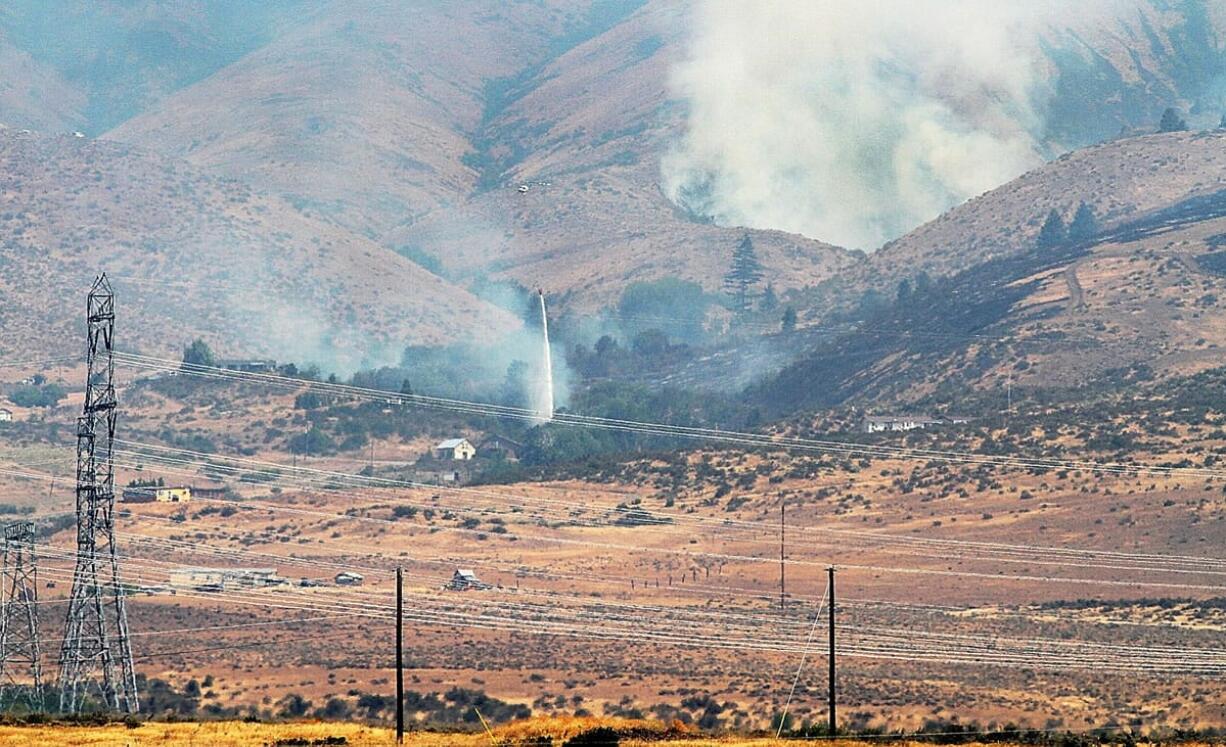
x=853, y=121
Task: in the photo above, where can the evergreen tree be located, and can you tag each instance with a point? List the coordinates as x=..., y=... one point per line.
x=1085, y=224
x=1053, y=233
x=903, y=296
x=744, y=273
x=769, y=301
x=788, y=323
x=198, y=354
x=1222, y=125
x=1171, y=121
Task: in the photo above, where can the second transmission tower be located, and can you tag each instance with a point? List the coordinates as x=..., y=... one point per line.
x=20, y=653
x=96, y=652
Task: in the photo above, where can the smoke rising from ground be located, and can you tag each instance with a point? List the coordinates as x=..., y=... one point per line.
x=853, y=121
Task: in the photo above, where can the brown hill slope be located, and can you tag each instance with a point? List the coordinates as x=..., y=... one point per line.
x=32, y=95
x=584, y=138
x=1121, y=180
x=423, y=144
x=363, y=113
x=1141, y=301
x=194, y=255
x=378, y=120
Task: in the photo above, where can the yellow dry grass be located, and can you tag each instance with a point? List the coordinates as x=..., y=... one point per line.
x=239, y=734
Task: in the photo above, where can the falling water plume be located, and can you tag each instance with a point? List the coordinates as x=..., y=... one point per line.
x=546, y=400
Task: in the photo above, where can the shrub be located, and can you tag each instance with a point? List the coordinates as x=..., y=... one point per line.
x=601, y=735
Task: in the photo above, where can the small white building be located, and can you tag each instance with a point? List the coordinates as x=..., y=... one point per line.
x=223, y=579
x=879, y=423
x=455, y=449
x=6, y=416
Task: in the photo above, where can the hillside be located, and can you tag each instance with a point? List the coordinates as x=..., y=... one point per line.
x=34, y=95
x=374, y=121
x=193, y=254
x=91, y=65
x=1120, y=180
x=1139, y=301
x=584, y=134
x=362, y=114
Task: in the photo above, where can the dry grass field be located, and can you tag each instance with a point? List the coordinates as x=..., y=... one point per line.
x=240, y=734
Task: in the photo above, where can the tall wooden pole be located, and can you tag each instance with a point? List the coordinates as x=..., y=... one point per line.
x=782, y=578
x=833, y=719
x=399, y=656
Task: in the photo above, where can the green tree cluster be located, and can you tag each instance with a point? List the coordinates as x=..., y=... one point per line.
x=31, y=395
x=1055, y=232
x=1171, y=121
x=199, y=354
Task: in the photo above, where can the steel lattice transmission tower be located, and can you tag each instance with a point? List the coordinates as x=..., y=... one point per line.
x=20, y=652
x=97, y=653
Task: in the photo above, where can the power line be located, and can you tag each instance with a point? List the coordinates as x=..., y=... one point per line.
x=1001, y=551
x=668, y=430
x=726, y=556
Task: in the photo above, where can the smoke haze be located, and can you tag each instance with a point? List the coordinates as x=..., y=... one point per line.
x=853, y=121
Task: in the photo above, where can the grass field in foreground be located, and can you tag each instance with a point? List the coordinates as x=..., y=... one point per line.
x=241, y=734
x=327, y=734
x=238, y=734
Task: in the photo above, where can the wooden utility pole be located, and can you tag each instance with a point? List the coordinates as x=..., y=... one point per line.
x=833, y=720
x=782, y=580
x=399, y=655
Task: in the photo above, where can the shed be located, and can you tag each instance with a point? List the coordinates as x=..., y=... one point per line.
x=500, y=447
x=249, y=365
x=156, y=494
x=455, y=449
x=464, y=580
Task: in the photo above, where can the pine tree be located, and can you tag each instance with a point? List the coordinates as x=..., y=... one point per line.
x=1171, y=121
x=744, y=273
x=903, y=295
x=788, y=322
x=1085, y=224
x=769, y=301
x=1053, y=233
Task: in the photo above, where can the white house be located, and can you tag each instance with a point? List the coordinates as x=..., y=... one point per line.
x=456, y=449
x=6, y=416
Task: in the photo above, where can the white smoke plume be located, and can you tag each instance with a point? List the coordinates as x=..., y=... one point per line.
x=853, y=121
